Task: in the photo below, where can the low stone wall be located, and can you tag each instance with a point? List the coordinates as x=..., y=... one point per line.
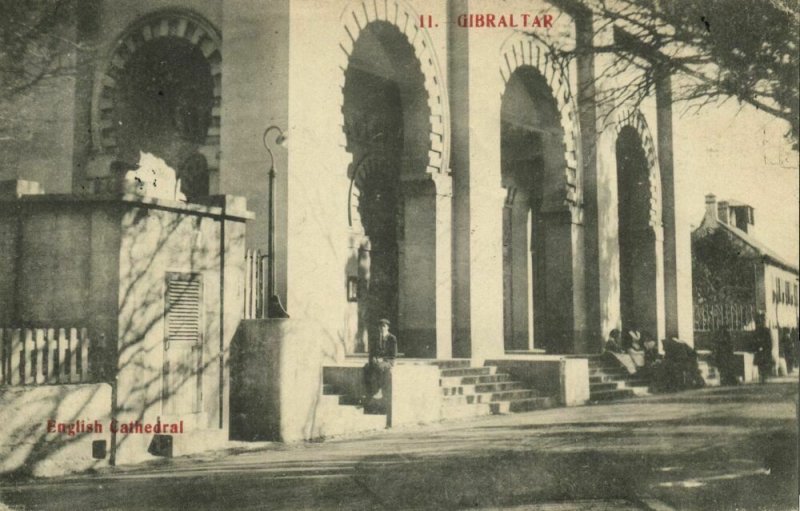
x=560, y=377
x=416, y=397
x=276, y=379
x=745, y=368
x=28, y=448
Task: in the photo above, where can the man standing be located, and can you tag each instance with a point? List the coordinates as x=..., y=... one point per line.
x=762, y=347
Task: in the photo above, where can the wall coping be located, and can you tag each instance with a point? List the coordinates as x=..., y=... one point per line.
x=535, y=357
x=228, y=207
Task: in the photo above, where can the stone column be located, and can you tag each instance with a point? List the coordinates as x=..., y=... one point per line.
x=458, y=85
x=554, y=298
x=425, y=306
x=660, y=331
x=444, y=267
x=587, y=108
x=666, y=164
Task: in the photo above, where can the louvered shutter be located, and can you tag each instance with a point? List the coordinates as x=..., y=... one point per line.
x=183, y=307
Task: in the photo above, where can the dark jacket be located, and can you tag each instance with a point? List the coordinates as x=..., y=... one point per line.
x=762, y=346
x=384, y=348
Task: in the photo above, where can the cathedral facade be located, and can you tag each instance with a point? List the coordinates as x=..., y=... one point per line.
x=445, y=168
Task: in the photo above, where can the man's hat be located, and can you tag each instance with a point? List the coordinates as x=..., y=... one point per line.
x=384, y=322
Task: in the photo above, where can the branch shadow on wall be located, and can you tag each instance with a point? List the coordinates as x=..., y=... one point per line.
x=128, y=370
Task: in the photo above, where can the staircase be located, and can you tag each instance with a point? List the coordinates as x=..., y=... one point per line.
x=609, y=380
x=474, y=391
x=341, y=414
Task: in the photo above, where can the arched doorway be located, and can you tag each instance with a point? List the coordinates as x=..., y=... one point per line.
x=160, y=93
x=392, y=201
x=640, y=259
x=537, y=232
x=164, y=103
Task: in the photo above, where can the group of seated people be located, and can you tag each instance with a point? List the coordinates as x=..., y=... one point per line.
x=675, y=369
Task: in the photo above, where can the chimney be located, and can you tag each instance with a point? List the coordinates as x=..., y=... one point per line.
x=722, y=212
x=711, y=208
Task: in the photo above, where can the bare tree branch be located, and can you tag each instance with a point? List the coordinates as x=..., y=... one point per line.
x=720, y=49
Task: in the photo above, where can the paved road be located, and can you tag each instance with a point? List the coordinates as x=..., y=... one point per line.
x=725, y=448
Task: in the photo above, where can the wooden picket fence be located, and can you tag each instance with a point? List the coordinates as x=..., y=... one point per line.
x=255, y=280
x=39, y=356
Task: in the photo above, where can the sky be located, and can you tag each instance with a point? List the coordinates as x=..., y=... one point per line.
x=738, y=152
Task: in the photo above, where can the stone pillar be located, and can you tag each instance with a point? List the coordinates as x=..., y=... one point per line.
x=647, y=279
x=587, y=110
x=606, y=193
x=666, y=164
x=660, y=331
x=579, y=342
x=88, y=30
x=554, y=299
x=517, y=272
x=486, y=270
x=458, y=84
x=444, y=265
x=425, y=306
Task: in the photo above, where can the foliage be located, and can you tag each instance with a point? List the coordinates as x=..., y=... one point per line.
x=36, y=42
x=716, y=49
x=722, y=270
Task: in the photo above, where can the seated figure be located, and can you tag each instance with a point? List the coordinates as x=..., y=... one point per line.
x=613, y=344
x=681, y=370
x=632, y=344
x=377, y=371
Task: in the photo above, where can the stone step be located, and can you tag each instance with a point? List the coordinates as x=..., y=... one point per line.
x=620, y=372
x=597, y=387
x=452, y=364
x=523, y=405
x=488, y=397
x=465, y=410
x=348, y=420
x=459, y=390
x=605, y=364
x=455, y=381
x=608, y=395
x=496, y=386
x=603, y=378
x=330, y=401
x=468, y=371
x=496, y=407
x=346, y=400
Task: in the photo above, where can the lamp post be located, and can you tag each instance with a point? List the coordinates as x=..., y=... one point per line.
x=274, y=306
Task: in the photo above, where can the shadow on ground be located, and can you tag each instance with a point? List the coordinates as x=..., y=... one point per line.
x=706, y=450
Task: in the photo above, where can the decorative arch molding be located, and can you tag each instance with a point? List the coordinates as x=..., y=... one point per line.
x=632, y=117
x=367, y=165
x=180, y=23
x=354, y=18
x=520, y=50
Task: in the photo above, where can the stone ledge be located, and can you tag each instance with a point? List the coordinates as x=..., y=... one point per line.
x=220, y=206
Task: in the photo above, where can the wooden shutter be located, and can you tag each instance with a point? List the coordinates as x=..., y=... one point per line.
x=183, y=343
x=183, y=304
